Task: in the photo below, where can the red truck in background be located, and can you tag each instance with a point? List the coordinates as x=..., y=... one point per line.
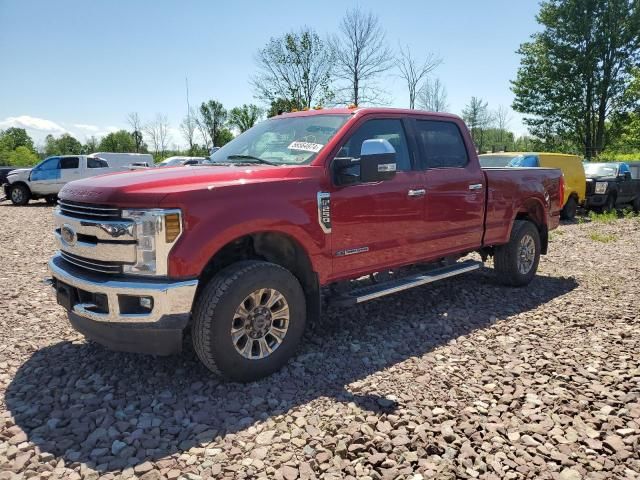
x=241, y=248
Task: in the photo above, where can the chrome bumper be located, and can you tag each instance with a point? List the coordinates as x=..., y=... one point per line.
x=170, y=298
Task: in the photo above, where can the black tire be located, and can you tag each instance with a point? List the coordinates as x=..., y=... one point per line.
x=215, y=313
x=569, y=210
x=51, y=199
x=19, y=194
x=507, y=258
x=610, y=204
x=636, y=204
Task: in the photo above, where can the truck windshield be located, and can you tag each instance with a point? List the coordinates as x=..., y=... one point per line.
x=601, y=169
x=281, y=141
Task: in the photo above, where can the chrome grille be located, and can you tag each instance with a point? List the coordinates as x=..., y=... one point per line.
x=91, y=264
x=88, y=211
x=591, y=186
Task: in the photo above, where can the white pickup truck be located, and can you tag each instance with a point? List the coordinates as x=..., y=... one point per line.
x=49, y=176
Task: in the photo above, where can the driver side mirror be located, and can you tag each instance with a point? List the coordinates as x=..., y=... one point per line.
x=377, y=163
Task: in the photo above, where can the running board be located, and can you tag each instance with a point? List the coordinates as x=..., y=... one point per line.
x=371, y=292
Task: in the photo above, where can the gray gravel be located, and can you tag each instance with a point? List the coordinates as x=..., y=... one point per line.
x=463, y=379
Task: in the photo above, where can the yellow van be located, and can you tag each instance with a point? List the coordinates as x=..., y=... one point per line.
x=575, y=182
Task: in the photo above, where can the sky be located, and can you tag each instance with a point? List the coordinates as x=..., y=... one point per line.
x=81, y=66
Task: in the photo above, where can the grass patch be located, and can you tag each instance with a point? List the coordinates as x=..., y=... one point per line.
x=605, y=217
x=602, y=237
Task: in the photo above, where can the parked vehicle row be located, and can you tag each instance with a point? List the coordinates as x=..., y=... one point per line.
x=47, y=178
x=610, y=185
x=243, y=247
x=597, y=186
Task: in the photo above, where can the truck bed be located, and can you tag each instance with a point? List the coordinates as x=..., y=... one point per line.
x=507, y=186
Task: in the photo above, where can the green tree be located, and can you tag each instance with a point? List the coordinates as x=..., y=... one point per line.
x=296, y=66
x=22, y=157
x=213, y=117
x=573, y=74
x=224, y=136
x=244, y=117
x=282, y=105
x=63, y=145
x=478, y=118
x=69, y=145
x=120, y=141
x=12, y=138
x=91, y=145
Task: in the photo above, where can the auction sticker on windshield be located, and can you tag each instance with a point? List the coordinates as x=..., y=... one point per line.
x=306, y=146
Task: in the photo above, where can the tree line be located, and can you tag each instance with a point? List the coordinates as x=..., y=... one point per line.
x=578, y=86
x=578, y=83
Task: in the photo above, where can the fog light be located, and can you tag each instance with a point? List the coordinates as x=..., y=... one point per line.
x=146, y=302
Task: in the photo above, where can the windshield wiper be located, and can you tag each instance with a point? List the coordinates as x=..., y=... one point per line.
x=250, y=157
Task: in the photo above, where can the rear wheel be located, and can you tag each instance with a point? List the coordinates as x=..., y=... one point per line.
x=516, y=262
x=570, y=209
x=248, y=320
x=20, y=194
x=636, y=204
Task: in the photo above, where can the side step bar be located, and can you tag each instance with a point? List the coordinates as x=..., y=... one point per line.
x=371, y=292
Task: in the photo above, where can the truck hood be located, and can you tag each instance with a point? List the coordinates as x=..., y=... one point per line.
x=147, y=188
x=600, y=177
x=19, y=172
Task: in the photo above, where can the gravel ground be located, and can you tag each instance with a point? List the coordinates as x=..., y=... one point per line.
x=462, y=379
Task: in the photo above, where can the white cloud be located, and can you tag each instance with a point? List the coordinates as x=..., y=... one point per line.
x=39, y=128
x=89, y=128
x=32, y=123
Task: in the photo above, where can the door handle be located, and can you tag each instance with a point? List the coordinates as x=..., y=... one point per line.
x=475, y=186
x=420, y=192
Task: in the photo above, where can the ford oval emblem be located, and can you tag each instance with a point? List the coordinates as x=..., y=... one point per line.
x=68, y=234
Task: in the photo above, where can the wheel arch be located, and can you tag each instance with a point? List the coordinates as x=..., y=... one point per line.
x=533, y=211
x=24, y=184
x=274, y=247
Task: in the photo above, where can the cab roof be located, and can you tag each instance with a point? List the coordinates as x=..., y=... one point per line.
x=363, y=111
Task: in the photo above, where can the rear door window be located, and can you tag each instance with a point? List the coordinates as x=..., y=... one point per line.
x=69, y=162
x=93, y=162
x=441, y=144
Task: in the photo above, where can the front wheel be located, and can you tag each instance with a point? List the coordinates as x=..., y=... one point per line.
x=19, y=194
x=248, y=320
x=610, y=204
x=636, y=204
x=569, y=210
x=51, y=199
x=516, y=262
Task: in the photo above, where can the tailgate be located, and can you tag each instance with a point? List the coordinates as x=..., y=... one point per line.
x=520, y=191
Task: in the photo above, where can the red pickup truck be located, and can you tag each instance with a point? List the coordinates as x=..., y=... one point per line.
x=240, y=249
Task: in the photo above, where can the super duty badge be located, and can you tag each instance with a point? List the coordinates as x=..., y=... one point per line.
x=324, y=211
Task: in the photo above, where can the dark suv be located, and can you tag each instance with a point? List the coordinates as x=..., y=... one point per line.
x=611, y=185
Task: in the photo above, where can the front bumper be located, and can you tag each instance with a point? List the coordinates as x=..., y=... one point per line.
x=99, y=307
x=595, y=200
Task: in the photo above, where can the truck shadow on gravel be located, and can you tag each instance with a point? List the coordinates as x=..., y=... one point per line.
x=110, y=410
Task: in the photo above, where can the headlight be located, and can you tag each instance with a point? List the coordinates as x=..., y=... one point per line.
x=156, y=231
x=601, y=187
